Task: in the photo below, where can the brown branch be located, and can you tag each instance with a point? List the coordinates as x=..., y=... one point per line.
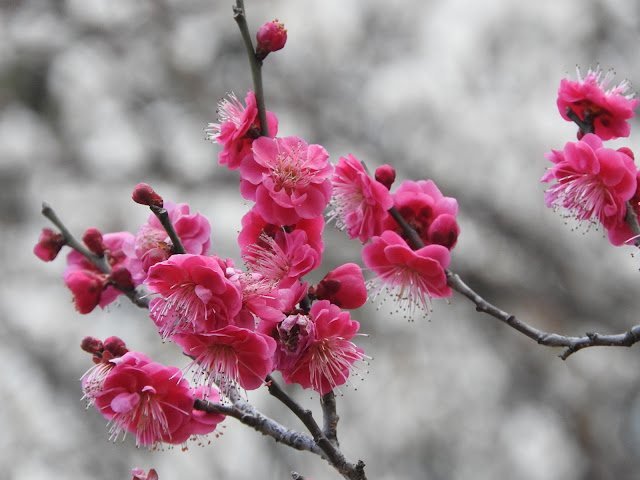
x=330, y=416
x=333, y=454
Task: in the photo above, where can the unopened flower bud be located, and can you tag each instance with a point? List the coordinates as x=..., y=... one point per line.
x=91, y=345
x=49, y=244
x=343, y=287
x=386, y=175
x=121, y=277
x=271, y=37
x=87, y=289
x=145, y=195
x=114, y=347
x=92, y=238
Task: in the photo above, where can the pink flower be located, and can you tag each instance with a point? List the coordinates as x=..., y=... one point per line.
x=316, y=351
x=144, y=398
x=230, y=355
x=238, y=128
x=592, y=182
x=196, y=295
x=608, y=110
x=360, y=203
x=200, y=423
x=139, y=474
x=283, y=259
x=287, y=179
x=103, y=353
x=49, y=245
x=152, y=244
x=254, y=227
x=413, y=276
x=343, y=287
x=427, y=211
x=89, y=285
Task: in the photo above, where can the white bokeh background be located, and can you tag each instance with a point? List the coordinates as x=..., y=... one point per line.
x=99, y=95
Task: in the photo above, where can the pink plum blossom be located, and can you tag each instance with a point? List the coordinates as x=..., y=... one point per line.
x=140, y=474
x=360, y=203
x=145, y=398
x=593, y=183
x=152, y=243
x=413, y=276
x=427, y=211
x=608, y=110
x=287, y=179
x=195, y=294
x=229, y=356
x=315, y=350
x=238, y=127
x=90, y=286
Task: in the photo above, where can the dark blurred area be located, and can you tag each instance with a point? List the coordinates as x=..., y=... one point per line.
x=97, y=96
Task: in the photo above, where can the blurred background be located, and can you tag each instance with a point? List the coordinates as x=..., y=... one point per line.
x=99, y=95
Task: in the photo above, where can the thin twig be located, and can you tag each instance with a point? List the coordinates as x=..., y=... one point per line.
x=330, y=417
x=240, y=17
x=163, y=217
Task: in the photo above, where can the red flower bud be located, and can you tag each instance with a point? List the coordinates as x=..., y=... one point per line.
x=121, y=277
x=87, y=289
x=386, y=175
x=114, y=347
x=145, y=195
x=91, y=345
x=343, y=287
x=49, y=244
x=271, y=37
x=92, y=238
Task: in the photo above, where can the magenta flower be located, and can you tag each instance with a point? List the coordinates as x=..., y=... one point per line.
x=414, y=277
x=200, y=423
x=608, y=110
x=360, y=203
x=144, y=398
x=592, y=183
x=195, y=295
x=316, y=351
x=152, y=244
x=89, y=285
x=427, y=211
x=238, y=127
x=140, y=474
x=287, y=179
x=229, y=356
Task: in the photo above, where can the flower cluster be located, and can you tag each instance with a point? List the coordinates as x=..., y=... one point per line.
x=595, y=184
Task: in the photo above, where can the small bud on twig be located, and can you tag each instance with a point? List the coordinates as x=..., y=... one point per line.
x=145, y=195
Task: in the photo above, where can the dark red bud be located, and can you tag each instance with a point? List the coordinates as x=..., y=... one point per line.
x=91, y=345
x=92, y=238
x=386, y=175
x=145, y=195
x=115, y=346
x=121, y=277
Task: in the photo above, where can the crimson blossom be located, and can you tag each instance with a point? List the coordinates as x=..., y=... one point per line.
x=238, y=127
x=427, y=211
x=145, y=398
x=195, y=295
x=593, y=183
x=315, y=350
x=287, y=178
x=360, y=203
x=413, y=276
x=608, y=110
